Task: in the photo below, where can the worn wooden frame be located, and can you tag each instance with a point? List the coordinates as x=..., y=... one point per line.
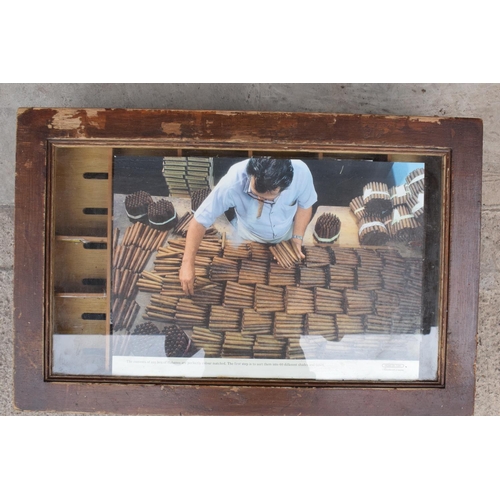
x=456, y=142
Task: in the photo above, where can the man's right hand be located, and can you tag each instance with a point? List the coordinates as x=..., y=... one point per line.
x=186, y=277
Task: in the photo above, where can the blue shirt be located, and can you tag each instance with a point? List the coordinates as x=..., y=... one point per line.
x=276, y=219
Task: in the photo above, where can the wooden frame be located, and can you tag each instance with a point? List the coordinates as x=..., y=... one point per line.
x=458, y=144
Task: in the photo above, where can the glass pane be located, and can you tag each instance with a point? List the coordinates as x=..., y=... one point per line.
x=356, y=300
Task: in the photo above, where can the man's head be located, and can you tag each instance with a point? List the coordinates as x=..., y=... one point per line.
x=270, y=174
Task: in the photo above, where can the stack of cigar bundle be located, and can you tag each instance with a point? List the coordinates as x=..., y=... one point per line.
x=224, y=319
x=238, y=296
x=177, y=343
x=294, y=349
x=415, y=181
x=209, y=294
x=236, y=250
x=269, y=347
x=269, y=298
x=210, y=342
x=285, y=254
x=280, y=276
x=372, y=231
x=344, y=257
x=288, y=326
x=253, y=272
x=298, y=300
x=378, y=324
x=359, y=302
x=256, y=323
x=403, y=224
x=329, y=301
x=393, y=273
x=357, y=207
x=386, y=303
x=327, y=228
x=236, y=345
x=313, y=276
x=342, y=277
x=316, y=256
x=321, y=324
x=162, y=215
x=376, y=198
x=347, y=324
x=136, y=206
x=188, y=313
x=185, y=175
x=369, y=259
x=223, y=269
x=198, y=197
x=399, y=195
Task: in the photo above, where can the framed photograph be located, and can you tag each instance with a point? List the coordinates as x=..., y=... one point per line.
x=213, y=262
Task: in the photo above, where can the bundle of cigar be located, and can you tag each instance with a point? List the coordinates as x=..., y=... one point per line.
x=287, y=326
x=298, y=300
x=294, y=349
x=210, y=246
x=253, y=272
x=124, y=283
x=269, y=298
x=342, y=276
x=347, y=324
x=268, y=347
x=386, y=303
x=372, y=231
x=416, y=206
x=198, y=172
x=399, y=195
x=321, y=324
x=256, y=323
x=123, y=313
x=238, y=296
x=189, y=314
x=313, y=276
x=280, y=276
x=359, y=302
x=198, y=197
x=377, y=324
x=208, y=293
x=327, y=228
x=259, y=251
x=376, y=198
x=329, y=301
x=357, y=207
x=344, y=257
x=236, y=345
x=369, y=259
x=162, y=215
x=182, y=224
x=316, y=256
x=393, y=273
x=285, y=253
x=223, y=269
x=150, y=282
x=224, y=319
x=136, y=205
x=210, y=342
x=415, y=181
x=177, y=343
x=403, y=224
x=161, y=308
x=369, y=279
x=236, y=250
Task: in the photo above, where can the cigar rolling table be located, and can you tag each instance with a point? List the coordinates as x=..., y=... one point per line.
x=366, y=331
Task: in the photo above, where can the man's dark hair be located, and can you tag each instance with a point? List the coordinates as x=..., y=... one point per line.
x=270, y=173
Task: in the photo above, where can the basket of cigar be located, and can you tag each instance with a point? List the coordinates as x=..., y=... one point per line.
x=327, y=228
x=177, y=343
x=162, y=215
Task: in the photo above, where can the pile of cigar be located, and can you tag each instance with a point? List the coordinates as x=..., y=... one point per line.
x=141, y=207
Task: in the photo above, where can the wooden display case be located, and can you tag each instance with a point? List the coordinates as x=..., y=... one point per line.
x=67, y=224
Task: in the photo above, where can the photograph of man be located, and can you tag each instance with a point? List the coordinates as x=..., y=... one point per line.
x=272, y=199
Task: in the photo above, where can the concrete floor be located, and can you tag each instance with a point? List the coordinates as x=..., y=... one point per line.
x=462, y=100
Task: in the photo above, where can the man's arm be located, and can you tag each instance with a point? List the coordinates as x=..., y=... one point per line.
x=302, y=219
x=195, y=234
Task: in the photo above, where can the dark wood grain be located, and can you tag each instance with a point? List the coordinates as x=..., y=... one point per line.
x=459, y=138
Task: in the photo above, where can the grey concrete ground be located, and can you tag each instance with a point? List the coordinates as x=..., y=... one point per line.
x=463, y=100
